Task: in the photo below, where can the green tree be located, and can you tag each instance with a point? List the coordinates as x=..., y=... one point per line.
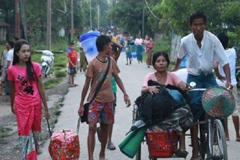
x=7, y=14
x=129, y=15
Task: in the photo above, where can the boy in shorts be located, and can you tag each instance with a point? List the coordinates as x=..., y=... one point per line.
x=72, y=65
x=101, y=108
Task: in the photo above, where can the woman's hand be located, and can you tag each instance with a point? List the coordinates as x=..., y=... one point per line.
x=153, y=89
x=47, y=115
x=13, y=110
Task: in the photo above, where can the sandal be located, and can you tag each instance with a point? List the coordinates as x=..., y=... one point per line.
x=111, y=146
x=196, y=158
x=98, y=134
x=181, y=153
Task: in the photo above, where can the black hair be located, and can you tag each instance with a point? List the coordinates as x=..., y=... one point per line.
x=11, y=43
x=197, y=15
x=160, y=53
x=16, y=38
x=29, y=66
x=114, y=47
x=101, y=41
x=71, y=43
x=223, y=38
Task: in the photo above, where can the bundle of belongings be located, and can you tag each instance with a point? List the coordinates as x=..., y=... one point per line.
x=169, y=109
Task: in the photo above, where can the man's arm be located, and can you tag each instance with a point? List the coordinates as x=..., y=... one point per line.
x=69, y=60
x=219, y=76
x=176, y=65
x=12, y=96
x=226, y=70
x=117, y=54
x=121, y=86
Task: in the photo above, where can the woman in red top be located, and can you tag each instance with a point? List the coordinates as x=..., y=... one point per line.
x=149, y=48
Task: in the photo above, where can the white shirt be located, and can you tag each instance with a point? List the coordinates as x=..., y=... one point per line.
x=201, y=60
x=183, y=73
x=231, y=56
x=4, y=59
x=10, y=56
x=138, y=41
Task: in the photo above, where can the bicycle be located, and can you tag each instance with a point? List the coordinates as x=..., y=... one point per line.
x=212, y=143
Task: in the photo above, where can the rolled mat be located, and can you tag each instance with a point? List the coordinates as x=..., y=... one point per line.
x=131, y=143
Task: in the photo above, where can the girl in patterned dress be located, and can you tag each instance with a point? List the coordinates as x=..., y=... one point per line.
x=27, y=95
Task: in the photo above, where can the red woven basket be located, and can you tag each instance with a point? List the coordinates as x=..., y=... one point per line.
x=161, y=143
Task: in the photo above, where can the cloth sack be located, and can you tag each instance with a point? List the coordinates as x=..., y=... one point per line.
x=64, y=145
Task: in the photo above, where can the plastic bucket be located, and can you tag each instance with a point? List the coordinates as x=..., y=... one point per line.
x=89, y=35
x=134, y=54
x=89, y=48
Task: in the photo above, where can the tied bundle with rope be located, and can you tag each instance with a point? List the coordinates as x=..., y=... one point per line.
x=154, y=108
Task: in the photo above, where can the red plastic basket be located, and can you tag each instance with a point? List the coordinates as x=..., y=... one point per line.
x=161, y=143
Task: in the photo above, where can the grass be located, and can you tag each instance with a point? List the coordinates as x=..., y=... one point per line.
x=163, y=45
x=51, y=83
x=60, y=74
x=60, y=63
x=4, y=134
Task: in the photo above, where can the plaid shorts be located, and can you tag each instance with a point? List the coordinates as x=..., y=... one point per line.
x=72, y=70
x=101, y=111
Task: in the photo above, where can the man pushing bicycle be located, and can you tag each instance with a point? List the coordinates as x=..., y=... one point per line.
x=202, y=48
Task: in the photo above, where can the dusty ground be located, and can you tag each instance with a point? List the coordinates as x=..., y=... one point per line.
x=9, y=144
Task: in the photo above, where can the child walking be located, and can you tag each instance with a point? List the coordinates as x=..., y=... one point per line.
x=72, y=65
x=101, y=108
x=27, y=95
x=128, y=53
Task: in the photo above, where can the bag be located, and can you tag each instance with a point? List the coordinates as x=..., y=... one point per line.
x=84, y=117
x=64, y=145
x=156, y=106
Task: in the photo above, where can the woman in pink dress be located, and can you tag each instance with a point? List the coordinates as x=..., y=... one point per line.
x=27, y=95
x=160, y=63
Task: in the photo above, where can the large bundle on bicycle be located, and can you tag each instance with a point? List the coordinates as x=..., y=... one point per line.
x=163, y=110
x=157, y=108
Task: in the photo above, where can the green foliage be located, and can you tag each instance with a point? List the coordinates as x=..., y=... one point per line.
x=60, y=65
x=60, y=74
x=164, y=45
x=51, y=83
x=222, y=16
x=36, y=57
x=128, y=14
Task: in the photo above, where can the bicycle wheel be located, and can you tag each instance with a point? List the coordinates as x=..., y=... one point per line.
x=219, y=148
x=138, y=154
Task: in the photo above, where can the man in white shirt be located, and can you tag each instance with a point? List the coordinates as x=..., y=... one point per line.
x=138, y=43
x=9, y=63
x=232, y=56
x=202, y=48
x=9, y=57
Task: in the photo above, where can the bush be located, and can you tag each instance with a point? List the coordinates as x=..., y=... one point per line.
x=60, y=74
x=60, y=64
x=51, y=83
x=36, y=57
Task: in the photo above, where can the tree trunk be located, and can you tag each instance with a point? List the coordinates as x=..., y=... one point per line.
x=24, y=18
x=49, y=24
